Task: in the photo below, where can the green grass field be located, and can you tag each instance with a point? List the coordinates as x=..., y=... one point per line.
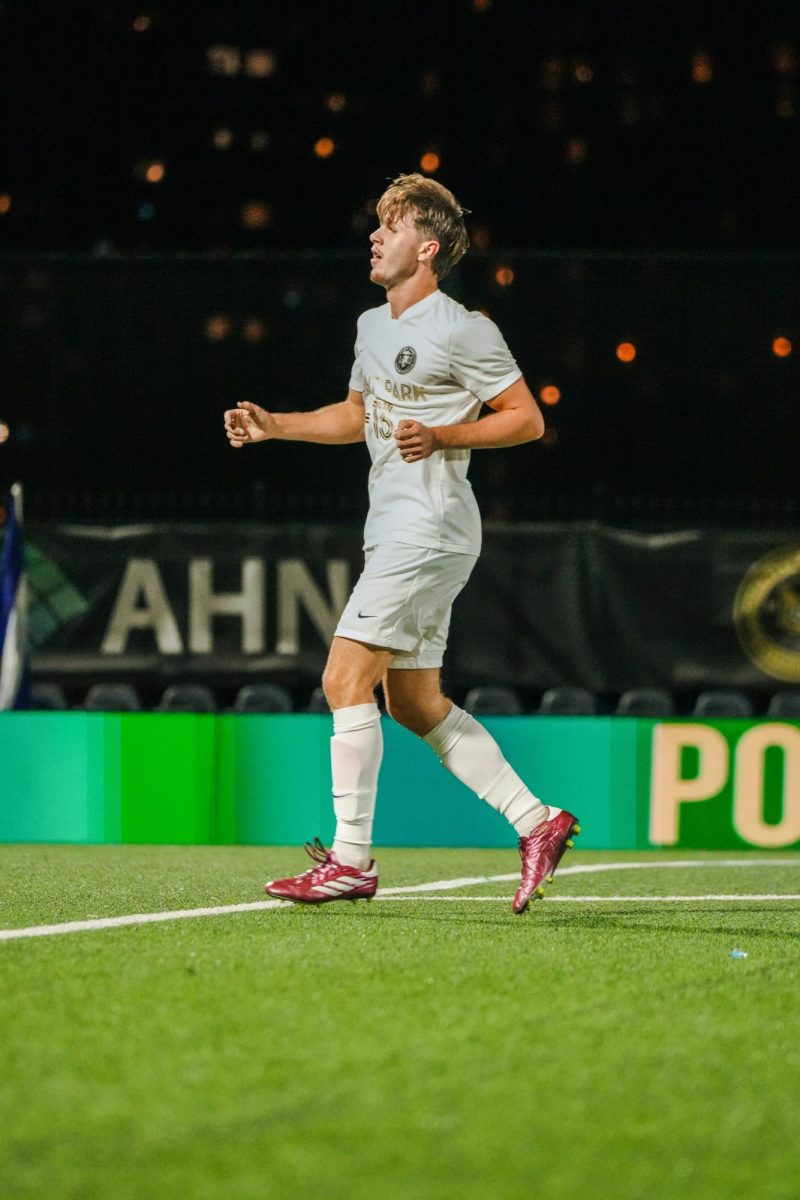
x=427, y=1045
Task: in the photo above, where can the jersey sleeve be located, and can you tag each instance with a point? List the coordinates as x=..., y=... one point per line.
x=480, y=360
x=357, y=372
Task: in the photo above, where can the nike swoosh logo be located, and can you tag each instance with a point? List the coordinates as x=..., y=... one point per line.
x=367, y=615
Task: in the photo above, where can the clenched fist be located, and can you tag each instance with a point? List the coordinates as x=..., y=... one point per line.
x=415, y=441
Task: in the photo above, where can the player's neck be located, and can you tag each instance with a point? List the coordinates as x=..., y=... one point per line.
x=410, y=291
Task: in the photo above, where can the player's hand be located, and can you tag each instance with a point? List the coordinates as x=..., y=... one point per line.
x=248, y=423
x=415, y=441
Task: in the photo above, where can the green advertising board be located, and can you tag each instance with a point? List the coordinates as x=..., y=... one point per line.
x=264, y=779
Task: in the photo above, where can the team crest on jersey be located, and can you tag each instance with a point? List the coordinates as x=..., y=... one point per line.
x=406, y=359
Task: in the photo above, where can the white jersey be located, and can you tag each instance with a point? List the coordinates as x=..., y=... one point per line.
x=437, y=364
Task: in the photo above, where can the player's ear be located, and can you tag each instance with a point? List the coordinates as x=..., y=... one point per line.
x=428, y=251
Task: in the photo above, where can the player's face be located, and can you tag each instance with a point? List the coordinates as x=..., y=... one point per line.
x=395, y=252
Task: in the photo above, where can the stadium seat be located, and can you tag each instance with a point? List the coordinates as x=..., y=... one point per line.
x=317, y=702
x=187, y=698
x=568, y=702
x=492, y=701
x=645, y=702
x=785, y=705
x=262, y=698
x=47, y=697
x=713, y=704
x=112, y=697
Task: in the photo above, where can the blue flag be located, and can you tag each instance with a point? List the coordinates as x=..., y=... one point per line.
x=12, y=612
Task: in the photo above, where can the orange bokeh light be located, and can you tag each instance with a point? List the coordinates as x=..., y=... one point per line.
x=154, y=173
x=504, y=276
x=256, y=215
x=626, y=352
x=254, y=330
x=702, y=67
x=576, y=151
x=784, y=59
x=781, y=347
x=218, y=327
x=430, y=162
x=550, y=394
x=142, y=23
x=5, y=204
x=324, y=147
x=260, y=64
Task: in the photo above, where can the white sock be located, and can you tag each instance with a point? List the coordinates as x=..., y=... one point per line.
x=470, y=752
x=356, y=753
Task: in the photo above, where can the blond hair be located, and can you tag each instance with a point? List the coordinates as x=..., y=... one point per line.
x=435, y=212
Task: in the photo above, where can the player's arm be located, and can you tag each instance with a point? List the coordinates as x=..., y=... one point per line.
x=516, y=418
x=334, y=425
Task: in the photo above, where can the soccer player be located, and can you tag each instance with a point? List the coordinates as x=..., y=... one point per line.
x=424, y=368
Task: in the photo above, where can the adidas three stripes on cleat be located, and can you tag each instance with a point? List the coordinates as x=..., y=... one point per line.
x=327, y=880
x=541, y=852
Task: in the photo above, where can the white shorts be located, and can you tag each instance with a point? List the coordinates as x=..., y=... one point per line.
x=402, y=602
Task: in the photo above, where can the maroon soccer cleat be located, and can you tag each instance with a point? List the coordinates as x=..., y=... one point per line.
x=328, y=880
x=541, y=852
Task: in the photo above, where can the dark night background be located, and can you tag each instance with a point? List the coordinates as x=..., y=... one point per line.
x=186, y=193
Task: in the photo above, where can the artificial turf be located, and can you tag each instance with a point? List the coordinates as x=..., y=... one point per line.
x=406, y=1049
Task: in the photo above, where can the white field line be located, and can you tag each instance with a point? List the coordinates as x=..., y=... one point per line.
x=603, y=899
x=7, y=935
x=591, y=869
x=418, y=890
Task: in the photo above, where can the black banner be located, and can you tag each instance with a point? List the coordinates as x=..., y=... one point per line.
x=548, y=604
